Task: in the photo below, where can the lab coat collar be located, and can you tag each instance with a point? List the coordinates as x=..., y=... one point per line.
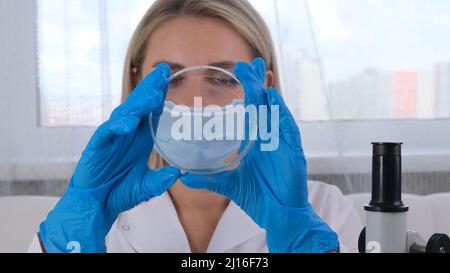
x=234, y=228
x=154, y=226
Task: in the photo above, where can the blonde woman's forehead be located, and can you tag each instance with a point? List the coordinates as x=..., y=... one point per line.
x=196, y=41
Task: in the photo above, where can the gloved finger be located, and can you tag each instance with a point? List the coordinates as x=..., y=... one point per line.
x=144, y=127
x=147, y=97
x=259, y=65
x=121, y=125
x=140, y=185
x=252, y=78
x=288, y=128
x=221, y=183
x=156, y=182
x=101, y=136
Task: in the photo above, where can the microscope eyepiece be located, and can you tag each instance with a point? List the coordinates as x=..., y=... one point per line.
x=386, y=178
x=387, y=148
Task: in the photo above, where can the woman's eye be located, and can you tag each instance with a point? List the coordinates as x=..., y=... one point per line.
x=222, y=81
x=176, y=81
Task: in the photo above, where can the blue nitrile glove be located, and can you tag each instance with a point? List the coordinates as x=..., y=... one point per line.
x=271, y=186
x=112, y=175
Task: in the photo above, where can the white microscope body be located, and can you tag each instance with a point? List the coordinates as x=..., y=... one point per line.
x=386, y=214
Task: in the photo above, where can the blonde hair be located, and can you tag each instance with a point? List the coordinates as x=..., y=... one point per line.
x=239, y=13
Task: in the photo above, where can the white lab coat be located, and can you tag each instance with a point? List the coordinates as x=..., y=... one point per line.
x=154, y=226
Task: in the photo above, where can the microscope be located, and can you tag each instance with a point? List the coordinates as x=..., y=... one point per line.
x=386, y=214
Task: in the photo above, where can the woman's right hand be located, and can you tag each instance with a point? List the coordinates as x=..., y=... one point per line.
x=112, y=175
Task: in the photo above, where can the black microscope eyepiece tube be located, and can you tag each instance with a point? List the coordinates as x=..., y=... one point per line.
x=386, y=178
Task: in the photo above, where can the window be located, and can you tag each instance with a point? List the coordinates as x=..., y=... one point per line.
x=366, y=59
x=340, y=60
x=81, y=49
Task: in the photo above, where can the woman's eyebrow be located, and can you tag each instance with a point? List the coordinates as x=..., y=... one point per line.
x=173, y=66
x=177, y=66
x=223, y=64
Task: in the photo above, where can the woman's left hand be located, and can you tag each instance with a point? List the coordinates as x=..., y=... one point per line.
x=271, y=186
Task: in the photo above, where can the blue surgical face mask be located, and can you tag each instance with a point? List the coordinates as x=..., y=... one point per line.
x=192, y=155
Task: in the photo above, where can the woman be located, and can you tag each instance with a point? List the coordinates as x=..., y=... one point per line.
x=116, y=203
